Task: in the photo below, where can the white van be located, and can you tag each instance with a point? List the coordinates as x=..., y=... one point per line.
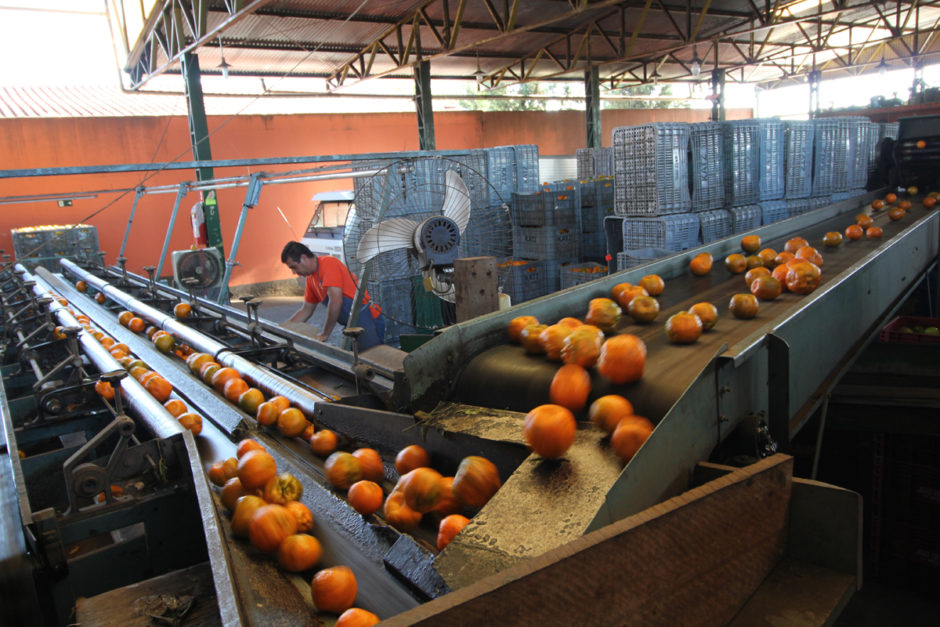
x=324, y=234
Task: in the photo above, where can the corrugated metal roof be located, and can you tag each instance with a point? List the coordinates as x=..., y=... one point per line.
x=84, y=102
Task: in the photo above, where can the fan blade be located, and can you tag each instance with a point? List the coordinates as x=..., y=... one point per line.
x=456, y=200
x=390, y=234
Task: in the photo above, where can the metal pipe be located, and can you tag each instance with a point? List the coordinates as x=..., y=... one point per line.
x=150, y=410
x=267, y=381
x=130, y=220
x=169, y=229
x=251, y=200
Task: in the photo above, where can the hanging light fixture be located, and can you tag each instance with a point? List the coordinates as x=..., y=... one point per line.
x=479, y=75
x=696, y=66
x=655, y=78
x=882, y=67
x=223, y=66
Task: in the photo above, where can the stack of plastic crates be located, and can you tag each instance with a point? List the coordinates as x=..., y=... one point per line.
x=741, y=146
x=890, y=129
x=395, y=298
x=578, y=273
x=774, y=211
x=46, y=245
x=772, y=149
x=593, y=237
x=595, y=162
x=632, y=258
x=842, y=158
x=543, y=243
x=585, y=161
x=651, y=169
x=745, y=218
x=671, y=232
x=526, y=165
x=501, y=173
x=797, y=206
x=859, y=154
x=874, y=136
x=798, y=159
x=554, y=205
x=522, y=280
x=708, y=185
x=716, y=225
x=826, y=136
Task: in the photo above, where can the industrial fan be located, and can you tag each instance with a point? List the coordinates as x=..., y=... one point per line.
x=200, y=269
x=412, y=218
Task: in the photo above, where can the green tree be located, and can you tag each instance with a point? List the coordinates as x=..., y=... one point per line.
x=647, y=89
x=521, y=102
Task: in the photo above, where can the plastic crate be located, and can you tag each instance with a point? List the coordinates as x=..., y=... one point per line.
x=772, y=149
x=632, y=258
x=651, y=169
x=715, y=225
x=708, y=187
x=797, y=206
x=578, y=273
x=859, y=152
x=592, y=218
x=526, y=168
x=584, y=158
x=595, y=162
x=45, y=246
x=825, y=138
x=774, y=211
x=501, y=173
x=746, y=218
x=741, y=161
x=544, y=208
x=671, y=232
x=892, y=331
x=587, y=192
x=546, y=242
x=798, y=159
x=522, y=280
x=593, y=245
x=817, y=202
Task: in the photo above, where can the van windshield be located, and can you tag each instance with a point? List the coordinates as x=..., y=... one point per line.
x=329, y=214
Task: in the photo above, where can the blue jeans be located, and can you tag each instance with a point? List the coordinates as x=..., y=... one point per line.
x=374, y=327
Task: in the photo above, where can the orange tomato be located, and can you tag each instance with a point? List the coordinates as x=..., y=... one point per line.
x=707, y=313
x=549, y=430
x=450, y=526
x=683, y=328
x=570, y=388
x=744, y=305
x=622, y=358
x=701, y=264
x=606, y=411
x=517, y=324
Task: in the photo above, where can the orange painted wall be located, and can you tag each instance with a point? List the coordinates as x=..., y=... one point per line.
x=68, y=142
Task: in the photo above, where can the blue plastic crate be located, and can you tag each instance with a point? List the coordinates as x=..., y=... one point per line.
x=672, y=232
x=741, y=149
x=715, y=225
x=544, y=208
x=593, y=245
x=797, y=206
x=552, y=270
x=578, y=273
x=651, y=169
x=858, y=151
x=830, y=147
x=526, y=166
x=798, y=159
x=774, y=211
x=772, y=148
x=816, y=202
x=501, y=173
x=592, y=218
x=522, y=280
x=547, y=242
x=708, y=186
x=587, y=192
x=632, y=258
x=396, y=299
x=746, y=218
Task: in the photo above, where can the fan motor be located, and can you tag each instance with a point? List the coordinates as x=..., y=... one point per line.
x=439, y=237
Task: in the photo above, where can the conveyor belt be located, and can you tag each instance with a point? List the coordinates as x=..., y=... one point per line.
x=506, y=376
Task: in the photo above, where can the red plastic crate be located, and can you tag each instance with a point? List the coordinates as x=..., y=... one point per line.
x=891, y=334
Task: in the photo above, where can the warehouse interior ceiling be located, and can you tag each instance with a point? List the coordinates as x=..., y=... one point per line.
x=502, y=42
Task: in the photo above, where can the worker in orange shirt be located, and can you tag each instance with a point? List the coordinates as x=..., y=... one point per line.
x=327, y=278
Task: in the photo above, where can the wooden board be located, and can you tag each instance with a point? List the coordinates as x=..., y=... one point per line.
x=694, y=559
x=477, y=287
x=127, y=606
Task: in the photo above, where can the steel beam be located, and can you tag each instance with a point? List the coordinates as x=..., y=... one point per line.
x=423, y=103
x=592, y=108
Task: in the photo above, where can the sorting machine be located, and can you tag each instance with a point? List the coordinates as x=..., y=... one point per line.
x=97, y=495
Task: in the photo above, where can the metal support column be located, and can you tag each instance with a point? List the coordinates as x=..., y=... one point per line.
x=423, y=100
x=199, y=137
x=718, y=95
x=592, y=107
x=814, y=77
x=251, y=201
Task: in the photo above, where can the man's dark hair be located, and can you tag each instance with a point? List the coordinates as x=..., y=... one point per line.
x=293, y=251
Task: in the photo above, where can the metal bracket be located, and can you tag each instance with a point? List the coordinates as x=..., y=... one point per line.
x=85, y=480
x=74, y=359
